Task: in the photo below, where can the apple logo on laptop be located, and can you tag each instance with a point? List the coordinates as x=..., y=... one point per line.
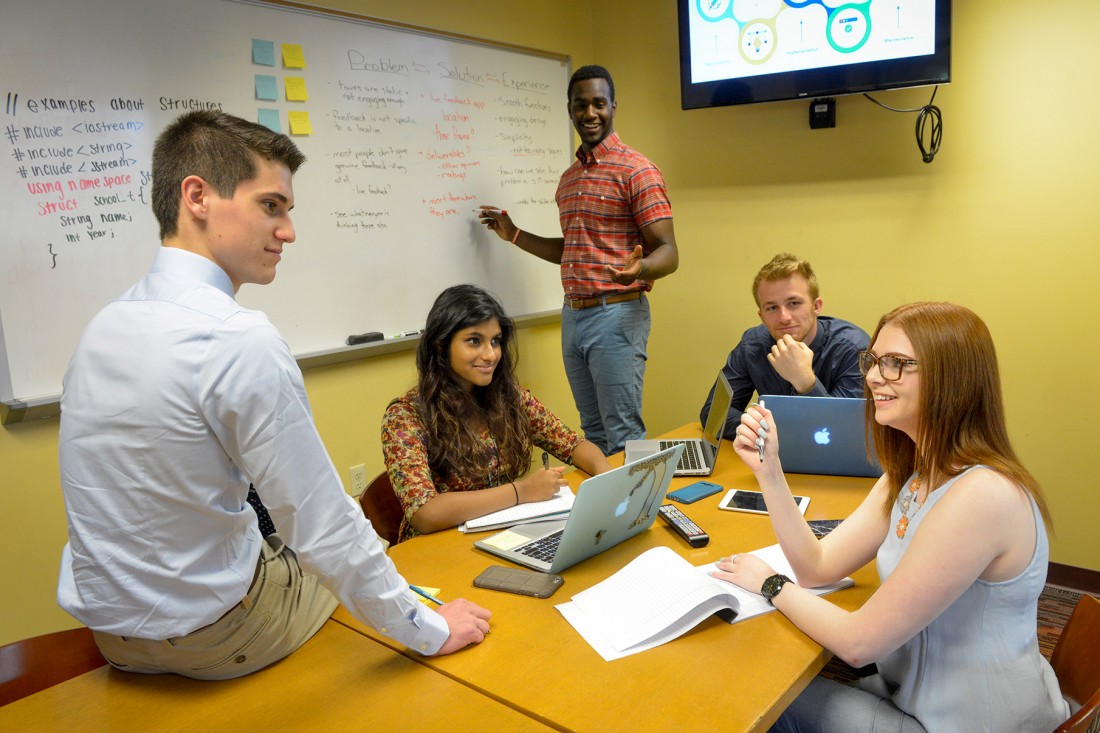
x=621, y=508
x=821, y=437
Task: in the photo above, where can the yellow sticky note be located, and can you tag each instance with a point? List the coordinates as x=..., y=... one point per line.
x=293, y=58
x=433, y=592
x=299, y=123
x=506, y=540
x=296, y=89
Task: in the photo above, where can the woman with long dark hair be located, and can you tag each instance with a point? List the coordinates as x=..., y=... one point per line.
x=458, y=445
x=957, y=526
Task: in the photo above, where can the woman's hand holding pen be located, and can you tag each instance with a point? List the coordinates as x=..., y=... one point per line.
x=497, y=220
x=541, y=484
x=757, y=441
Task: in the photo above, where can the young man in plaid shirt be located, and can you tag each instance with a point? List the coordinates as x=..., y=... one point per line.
x=618, y=238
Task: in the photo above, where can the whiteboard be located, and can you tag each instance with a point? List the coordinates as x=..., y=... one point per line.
x=408, y=132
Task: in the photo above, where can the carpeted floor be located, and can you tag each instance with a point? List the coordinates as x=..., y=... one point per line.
x=1055, y=606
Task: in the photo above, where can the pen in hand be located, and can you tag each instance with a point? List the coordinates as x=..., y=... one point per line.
x=424, y=594
x=760, y=436
x=546, y=460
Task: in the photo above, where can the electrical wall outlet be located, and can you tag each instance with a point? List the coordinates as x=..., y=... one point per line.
x=358, y=479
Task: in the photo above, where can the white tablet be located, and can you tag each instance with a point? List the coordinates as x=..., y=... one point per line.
x=739, y=500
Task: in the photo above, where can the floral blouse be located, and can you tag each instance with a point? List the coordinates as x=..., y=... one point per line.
x=405, y=451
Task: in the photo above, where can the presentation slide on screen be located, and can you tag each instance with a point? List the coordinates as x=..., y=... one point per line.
x=733, y=39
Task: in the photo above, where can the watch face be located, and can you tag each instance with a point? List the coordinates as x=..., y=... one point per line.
x=773, y=585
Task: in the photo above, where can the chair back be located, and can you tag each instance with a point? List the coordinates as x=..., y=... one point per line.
x=1076, y=662
x=32, y=665
x=383, y=508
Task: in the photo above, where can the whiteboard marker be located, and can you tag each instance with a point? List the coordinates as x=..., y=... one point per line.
x=491, y=210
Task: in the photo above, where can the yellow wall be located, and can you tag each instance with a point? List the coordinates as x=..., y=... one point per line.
x=1002, y=222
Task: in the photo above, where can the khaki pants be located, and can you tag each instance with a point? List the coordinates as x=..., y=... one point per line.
x=282, y=610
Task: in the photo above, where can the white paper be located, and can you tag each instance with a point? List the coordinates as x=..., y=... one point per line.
x=754, y=604
x=604, y=648
x=560, y=505
x=650, y=594
x=659, y=596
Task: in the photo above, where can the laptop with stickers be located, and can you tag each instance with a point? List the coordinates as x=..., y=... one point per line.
x=609, y=508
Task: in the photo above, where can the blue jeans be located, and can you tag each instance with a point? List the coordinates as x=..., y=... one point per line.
x=827, y=706
x=604, y=348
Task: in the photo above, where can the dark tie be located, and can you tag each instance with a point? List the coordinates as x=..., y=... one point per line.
x=266, y=525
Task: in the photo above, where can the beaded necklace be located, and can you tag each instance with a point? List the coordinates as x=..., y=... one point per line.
x=908, y=502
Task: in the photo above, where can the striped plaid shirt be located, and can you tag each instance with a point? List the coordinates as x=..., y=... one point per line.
x=604, y=199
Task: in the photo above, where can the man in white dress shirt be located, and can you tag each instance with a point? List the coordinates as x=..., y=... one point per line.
x=175, y=400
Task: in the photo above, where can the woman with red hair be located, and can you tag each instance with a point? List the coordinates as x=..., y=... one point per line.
x=958, y=529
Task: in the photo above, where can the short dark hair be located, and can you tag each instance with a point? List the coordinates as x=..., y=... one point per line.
x=590, y=72
x=219, y=148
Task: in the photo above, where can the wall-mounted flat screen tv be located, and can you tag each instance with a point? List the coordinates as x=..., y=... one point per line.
x=748, y=51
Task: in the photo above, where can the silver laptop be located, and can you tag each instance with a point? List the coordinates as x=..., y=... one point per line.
x=609, y=508
x=822, y=435
x=700, y=454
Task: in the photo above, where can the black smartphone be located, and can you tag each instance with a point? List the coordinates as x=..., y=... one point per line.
x=822, y=527
x=519, y=580
x=694, y=492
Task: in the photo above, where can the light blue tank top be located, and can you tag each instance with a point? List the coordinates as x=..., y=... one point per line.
x=977, y=667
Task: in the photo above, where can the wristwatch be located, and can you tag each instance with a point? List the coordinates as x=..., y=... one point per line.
x=773, y=585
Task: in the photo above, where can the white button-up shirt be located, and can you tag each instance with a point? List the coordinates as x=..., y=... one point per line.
x=176, y=399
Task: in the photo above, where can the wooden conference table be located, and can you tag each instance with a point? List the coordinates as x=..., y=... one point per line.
x=337, y=681
x=533, y=672
x=736, y=677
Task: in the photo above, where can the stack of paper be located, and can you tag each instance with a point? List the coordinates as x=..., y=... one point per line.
x=536, y=511
x=659, y=596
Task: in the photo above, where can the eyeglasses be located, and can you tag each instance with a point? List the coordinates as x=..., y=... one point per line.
x=889, y=366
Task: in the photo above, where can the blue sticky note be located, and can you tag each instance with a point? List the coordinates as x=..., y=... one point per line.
x=267, y=88
x=269, y=118
x=263, y=52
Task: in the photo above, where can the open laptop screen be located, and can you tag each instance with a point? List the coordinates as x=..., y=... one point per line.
x=719, y=409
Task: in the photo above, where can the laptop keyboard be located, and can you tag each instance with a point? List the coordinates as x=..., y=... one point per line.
x=690, y=460
x=544, y=548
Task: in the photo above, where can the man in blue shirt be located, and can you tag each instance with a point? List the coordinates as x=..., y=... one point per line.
x=176, y=400
x=795, y=350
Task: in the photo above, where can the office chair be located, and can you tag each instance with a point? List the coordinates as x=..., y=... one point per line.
x=1076, y=662
x=32, y=665
x=382, y=508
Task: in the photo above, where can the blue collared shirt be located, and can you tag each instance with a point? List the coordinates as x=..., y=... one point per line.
x=835, y=363
x=175, y=400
